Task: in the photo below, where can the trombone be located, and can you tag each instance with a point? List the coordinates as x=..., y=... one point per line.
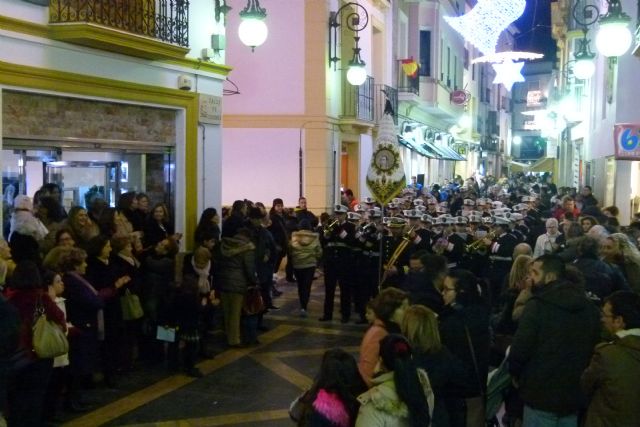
x=402, y=246
x=329, y=228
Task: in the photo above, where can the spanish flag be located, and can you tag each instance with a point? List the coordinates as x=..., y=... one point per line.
x=410, y=67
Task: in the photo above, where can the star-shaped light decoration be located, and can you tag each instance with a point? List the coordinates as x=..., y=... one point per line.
x=508, y=73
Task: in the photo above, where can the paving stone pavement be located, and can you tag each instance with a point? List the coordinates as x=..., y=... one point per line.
x=241, y=387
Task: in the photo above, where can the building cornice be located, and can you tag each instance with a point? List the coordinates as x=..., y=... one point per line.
x=49, y=32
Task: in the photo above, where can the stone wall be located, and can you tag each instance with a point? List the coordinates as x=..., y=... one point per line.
x=27, y=115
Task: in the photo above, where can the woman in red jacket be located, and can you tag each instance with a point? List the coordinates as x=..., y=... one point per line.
x=30, y=375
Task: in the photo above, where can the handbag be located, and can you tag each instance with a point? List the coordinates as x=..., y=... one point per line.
x=49, y=340
x=131, y=307
x=253, y=302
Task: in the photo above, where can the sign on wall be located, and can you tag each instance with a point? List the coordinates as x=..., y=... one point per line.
x=210, y=109
x=626, y=137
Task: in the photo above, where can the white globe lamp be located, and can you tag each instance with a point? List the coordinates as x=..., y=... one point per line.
x=356, y=74
x=584, y=69
x=253, y=30
x=614, y=37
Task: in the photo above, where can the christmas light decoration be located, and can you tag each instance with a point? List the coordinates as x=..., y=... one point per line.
x=507, y=56
x=508, y=73
x=483, y=24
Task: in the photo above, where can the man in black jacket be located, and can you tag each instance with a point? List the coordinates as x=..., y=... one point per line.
x=552, y=346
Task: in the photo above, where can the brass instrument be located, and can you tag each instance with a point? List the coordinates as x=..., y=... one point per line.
x=329, y=228
x=406, y=239
x=478, y=246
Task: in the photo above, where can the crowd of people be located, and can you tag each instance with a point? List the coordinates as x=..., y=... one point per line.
x=453, y=280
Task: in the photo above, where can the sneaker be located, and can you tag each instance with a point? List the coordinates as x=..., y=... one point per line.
x=276, y=293
x=273, y=307
x=303, y=313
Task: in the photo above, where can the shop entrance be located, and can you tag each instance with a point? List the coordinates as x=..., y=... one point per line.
x=86, y=175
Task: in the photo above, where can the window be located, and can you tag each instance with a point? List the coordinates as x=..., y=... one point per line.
x=448, y=66
x=425, y=53
x=455, y=73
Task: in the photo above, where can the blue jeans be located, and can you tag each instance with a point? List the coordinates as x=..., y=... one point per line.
x=536, y=418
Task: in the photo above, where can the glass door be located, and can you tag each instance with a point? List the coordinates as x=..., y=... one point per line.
x=82, y=182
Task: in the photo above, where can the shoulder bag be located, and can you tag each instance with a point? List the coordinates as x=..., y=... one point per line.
x=131, y=307
x=49, y=340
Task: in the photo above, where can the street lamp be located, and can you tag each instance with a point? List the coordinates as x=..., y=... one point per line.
x=357, y=20
x=613, y=38
x=252, y=30
x=584, y=66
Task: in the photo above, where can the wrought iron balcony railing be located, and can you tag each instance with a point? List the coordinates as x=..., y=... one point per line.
x=381, y=94
x=407, y=84
x=358, y=101
x=165, y=20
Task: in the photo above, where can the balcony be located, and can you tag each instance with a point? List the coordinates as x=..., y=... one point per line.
x=381, y=94
x=151, y=29
x=408, y=87
x=358, y=101
x=636, y=48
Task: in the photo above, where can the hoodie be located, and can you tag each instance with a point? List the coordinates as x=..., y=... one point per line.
x=235, y=267
x=611, y=381
x=553, y=344
x=305, y=249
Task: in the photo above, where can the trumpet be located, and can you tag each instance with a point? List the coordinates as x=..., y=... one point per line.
x=478, y=246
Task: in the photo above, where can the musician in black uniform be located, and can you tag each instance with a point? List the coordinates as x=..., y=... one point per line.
x=338, y=259
x=422, y=241
x=520, y=231
x=500, y=257
x=393, y=273
x=448, y=243
x=370, y=237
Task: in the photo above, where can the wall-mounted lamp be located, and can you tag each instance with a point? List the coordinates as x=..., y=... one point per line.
x=584, y=66
x=613, y=38
x=221, y=8
x=357, y=20
x=253, y=30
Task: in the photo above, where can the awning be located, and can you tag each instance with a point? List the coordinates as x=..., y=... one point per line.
x=415, y=147
x=543, y=165
x=453, y=153
x=445, y=153
x=519, y=167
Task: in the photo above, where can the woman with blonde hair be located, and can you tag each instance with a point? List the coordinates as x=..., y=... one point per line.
x=618, y=249
x=446, y=373
x=520, y=279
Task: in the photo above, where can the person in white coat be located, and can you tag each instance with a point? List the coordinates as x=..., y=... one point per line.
x=401, y=395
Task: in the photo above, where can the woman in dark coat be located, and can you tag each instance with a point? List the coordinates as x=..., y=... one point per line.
x=30, y=375
x=124, y=264
x=464, y=329
x=101, y=274
x=158, y=227
x=208, y=228
x=446, y=373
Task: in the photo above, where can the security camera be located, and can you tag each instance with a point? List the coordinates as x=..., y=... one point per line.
x=184, y=82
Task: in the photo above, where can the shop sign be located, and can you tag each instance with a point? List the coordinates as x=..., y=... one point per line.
x=459, y=97
x=210, y=109
x=626, y=137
